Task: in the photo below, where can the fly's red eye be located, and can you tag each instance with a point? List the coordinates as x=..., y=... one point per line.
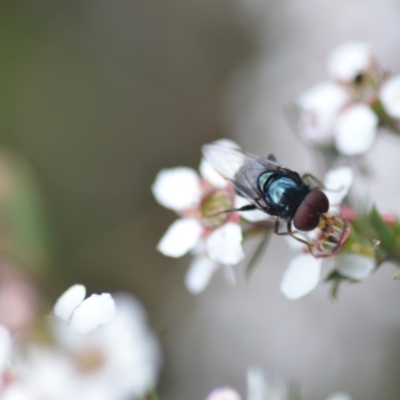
x=318, y=201
x=305, y=218
x=307, y=214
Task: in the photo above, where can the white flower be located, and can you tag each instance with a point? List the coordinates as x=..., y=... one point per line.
x=348, y=60
x=390, y=96
x=84, y=315
x=115, y=361
x=319, y=107
x=214, y=237
x=355, y=130
x=303, y=273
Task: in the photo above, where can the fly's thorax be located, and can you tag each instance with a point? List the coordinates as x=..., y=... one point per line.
x=283, y=192
x=213, y=206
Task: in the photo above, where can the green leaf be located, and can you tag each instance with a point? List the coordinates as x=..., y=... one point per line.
x=385, y=234
x=336, y=278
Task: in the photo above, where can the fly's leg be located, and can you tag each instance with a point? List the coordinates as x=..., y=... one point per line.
x=292, y=234
x=277, y=226
x=311, y=178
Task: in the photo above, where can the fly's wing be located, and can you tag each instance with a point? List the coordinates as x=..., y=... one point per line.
x=241, y=169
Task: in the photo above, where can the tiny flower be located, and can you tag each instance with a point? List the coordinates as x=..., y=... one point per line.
x=303, y=273
x=355, y=130
x=204, y=228
x=390, y=96
x=349, y=60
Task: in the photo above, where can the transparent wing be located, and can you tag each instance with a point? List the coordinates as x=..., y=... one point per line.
x=241, y=169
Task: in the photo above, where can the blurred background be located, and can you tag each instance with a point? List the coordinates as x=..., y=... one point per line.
x=96, y=97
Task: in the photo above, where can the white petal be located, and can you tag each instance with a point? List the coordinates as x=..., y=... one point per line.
x=68, y=301
x=337, y=183
x=180, y=237
x=211, y=175
x=355, y=130
x=224, y=393
x=301, y=277
x=355, y=266
x=177, y=188
x=320, y=106
x=94, y=311
x=390, y=96
x=251, y=216
x=348, y=60
x=224, y=245
x=5, y=347
x=199, y=274
x=339, y=396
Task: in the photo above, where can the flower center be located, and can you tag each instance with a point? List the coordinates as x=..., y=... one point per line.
x=213, y=206
x=89, y=360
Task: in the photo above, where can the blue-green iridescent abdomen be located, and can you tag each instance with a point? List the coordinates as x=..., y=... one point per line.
x=283, y=192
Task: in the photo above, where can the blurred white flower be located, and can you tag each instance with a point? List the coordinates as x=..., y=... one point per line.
x=339, y=113
x=348, y=60
x=214, y=237
x=390, y=96
x=84, y=315
x=355, y=130
x=303, y=272
x=319, y=107
x=261, y=386
x=224, y=393
x=117, y=360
